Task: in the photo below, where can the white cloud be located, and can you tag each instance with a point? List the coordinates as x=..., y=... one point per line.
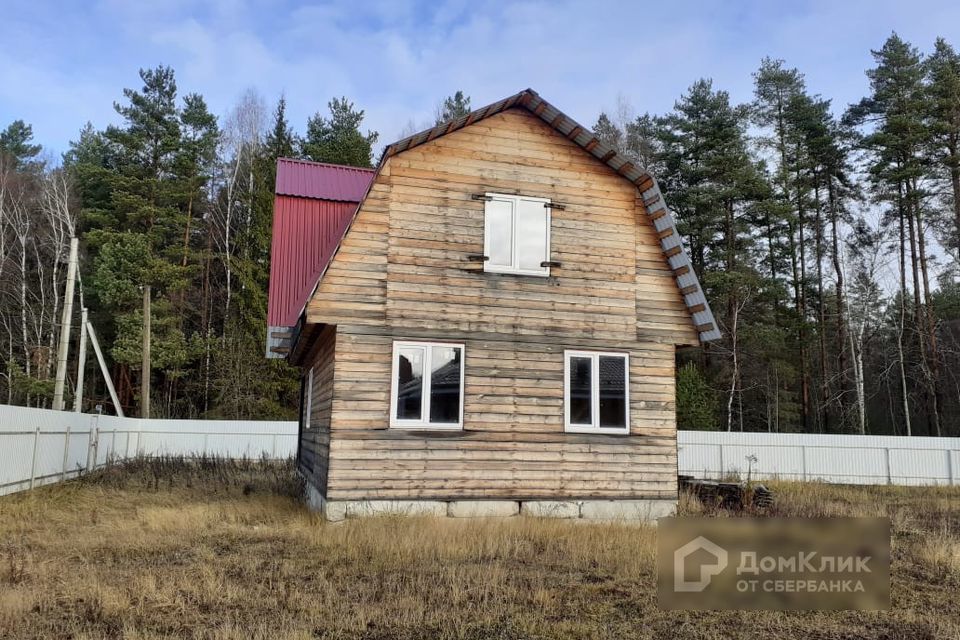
x=397, y=59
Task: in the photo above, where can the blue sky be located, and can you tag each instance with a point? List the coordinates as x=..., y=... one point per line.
x=64, y=63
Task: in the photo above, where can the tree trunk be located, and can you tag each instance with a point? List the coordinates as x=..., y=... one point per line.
x=842, y=319
x=955, y=186
x=823, y=410
x=919, y=314
x=23, y=309
x=931, y=329
x=856, y=351
x=802, y=311
x=918, y=321
x=183, y=260
x=735, y=368
x=903, y=303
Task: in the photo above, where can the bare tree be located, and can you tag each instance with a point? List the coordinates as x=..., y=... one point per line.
x=241, y=137
x=58, y=227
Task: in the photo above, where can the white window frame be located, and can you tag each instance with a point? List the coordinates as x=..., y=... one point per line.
x=514, y=268
x=424, y=421
x=309, y=400
x=594, y=427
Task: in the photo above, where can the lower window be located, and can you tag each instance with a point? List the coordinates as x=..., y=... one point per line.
x=427, y=386
x=596, y=392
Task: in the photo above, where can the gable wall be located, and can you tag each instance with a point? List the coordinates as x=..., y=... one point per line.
x=402, y=273
x=404, y=262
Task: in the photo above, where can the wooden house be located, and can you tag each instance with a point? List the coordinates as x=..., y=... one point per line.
x=492, y=329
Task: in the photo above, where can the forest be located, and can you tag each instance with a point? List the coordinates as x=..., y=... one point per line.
x=827, y=238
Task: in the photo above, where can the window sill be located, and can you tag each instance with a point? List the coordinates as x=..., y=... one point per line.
x=606, y=431
x=420, y=426
x=510, y=272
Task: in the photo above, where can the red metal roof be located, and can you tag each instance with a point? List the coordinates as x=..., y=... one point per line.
x=314, y=202
x=322, y=181
x=305, y=231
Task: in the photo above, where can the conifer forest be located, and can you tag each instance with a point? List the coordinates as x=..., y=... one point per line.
x=827, y=237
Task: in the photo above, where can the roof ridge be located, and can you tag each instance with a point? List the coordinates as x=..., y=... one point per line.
x=325, y=164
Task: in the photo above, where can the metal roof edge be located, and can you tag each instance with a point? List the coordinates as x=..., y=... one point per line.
x=343, y=169
x=325, y=164
x=684, y=274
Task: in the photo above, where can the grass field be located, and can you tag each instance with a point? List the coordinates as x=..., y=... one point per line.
x=225, y=550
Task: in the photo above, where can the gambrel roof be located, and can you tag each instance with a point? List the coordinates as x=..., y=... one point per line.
x=656, y=208
x=663, y=221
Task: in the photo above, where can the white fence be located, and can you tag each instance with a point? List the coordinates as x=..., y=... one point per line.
x=39, y=446
x=846, y=459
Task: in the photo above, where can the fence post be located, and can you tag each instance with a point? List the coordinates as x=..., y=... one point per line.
x=66, y=453
x=94, y=448
x=206, y=438
x=33, y=463
x=720, y=477
x=950, y=478
x=886, y=455
x=803, y=461
x=89, y=444
x=273, y=448
x=96, y=445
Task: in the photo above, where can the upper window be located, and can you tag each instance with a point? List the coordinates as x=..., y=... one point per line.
x=427, y=390
x=517, y=235
x=596, y=392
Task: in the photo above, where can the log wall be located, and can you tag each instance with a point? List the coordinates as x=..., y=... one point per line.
x=402, y=273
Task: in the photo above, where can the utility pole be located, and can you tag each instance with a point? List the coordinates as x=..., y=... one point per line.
x=145, y=369
x=81, y=359
x=63, y=346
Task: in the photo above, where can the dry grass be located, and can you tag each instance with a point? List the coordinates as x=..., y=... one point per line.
x=225, y=550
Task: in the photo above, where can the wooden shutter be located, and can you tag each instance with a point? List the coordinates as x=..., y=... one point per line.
x=532, y=230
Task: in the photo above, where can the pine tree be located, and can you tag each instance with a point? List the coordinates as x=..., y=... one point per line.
x=640, y=142
x=452, y=107
x=608, y=133
x=634, y=137
x=338, y=140
x=137, y=235
x=779, y=96
x=194, y=168
x=943, y=97
x=281, y=141
x=15, y=141
x=715, y=187
x=896, y=134
x=696, y=400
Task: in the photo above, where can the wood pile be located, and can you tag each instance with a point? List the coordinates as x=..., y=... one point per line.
x=727, y=495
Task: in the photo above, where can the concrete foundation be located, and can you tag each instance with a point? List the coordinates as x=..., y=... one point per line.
x=551, y=508
x=590, y=510
x=483, y=508
x=364, y=508
x=646, y=510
